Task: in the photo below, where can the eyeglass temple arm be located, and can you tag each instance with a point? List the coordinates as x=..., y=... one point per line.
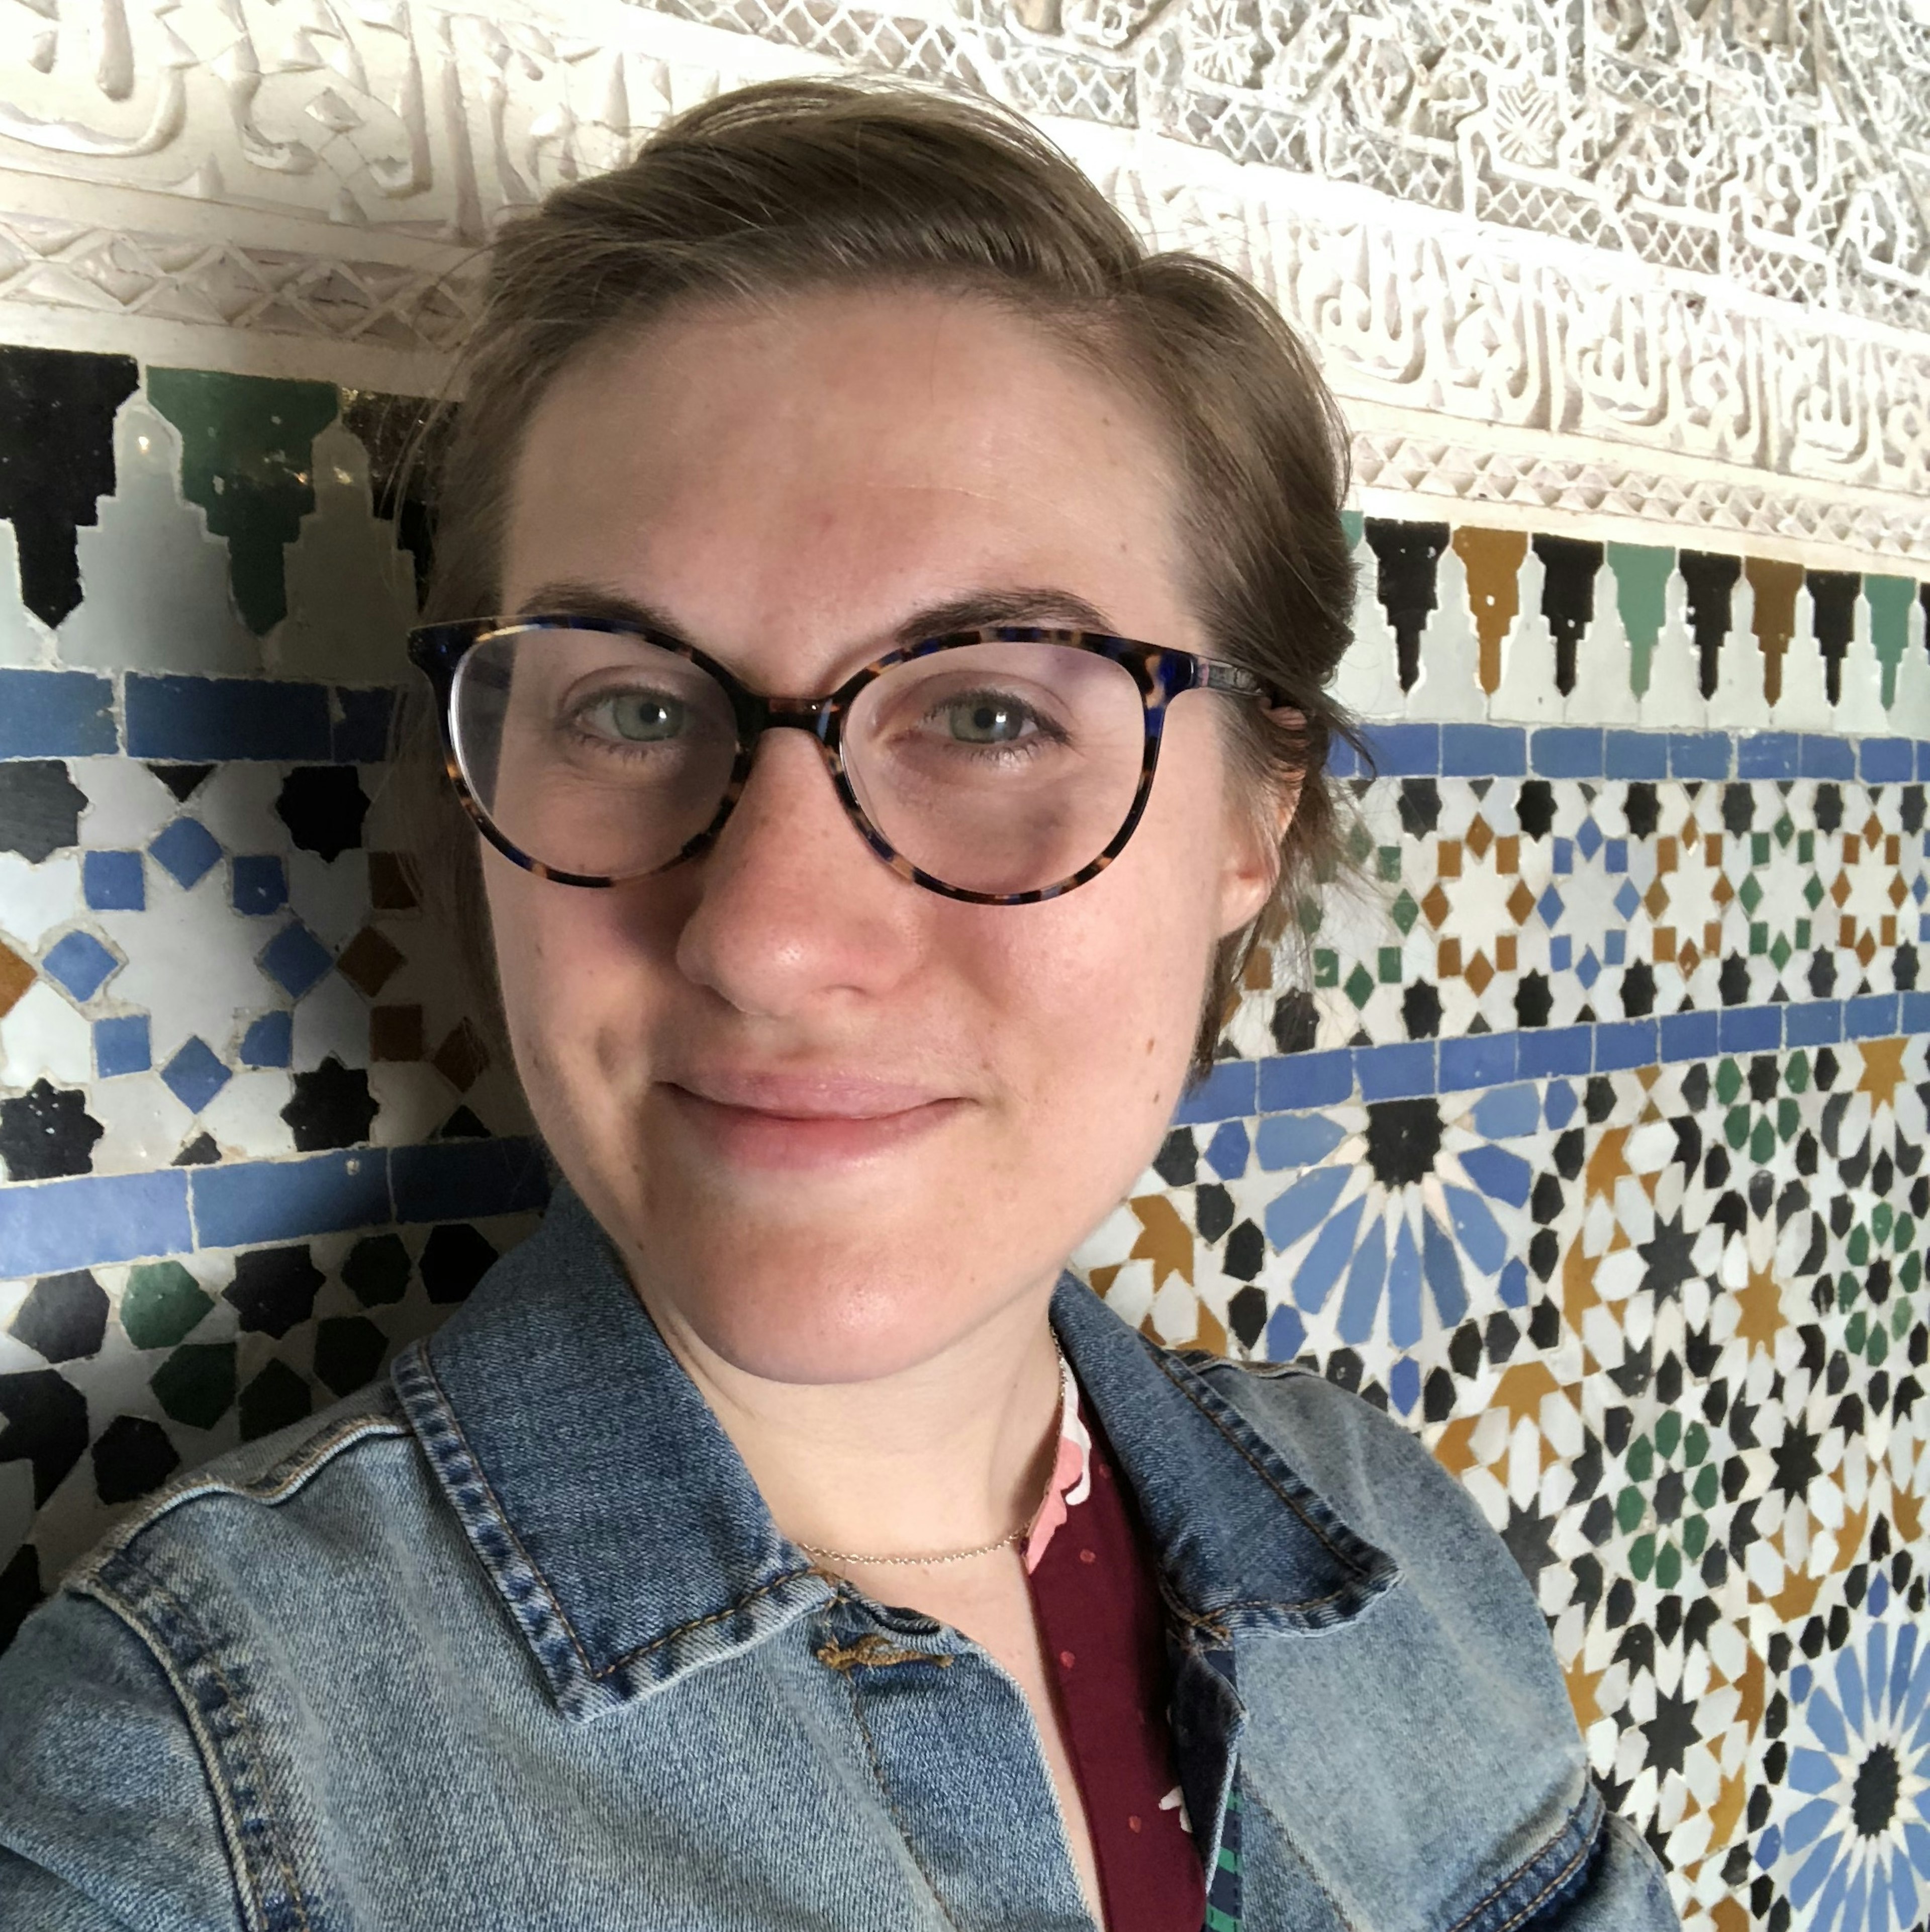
x=1215, y=674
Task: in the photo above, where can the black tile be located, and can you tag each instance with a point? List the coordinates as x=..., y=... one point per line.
x=40, y=808
x=274, y=1287
x=405, y=437
x=1711, y=577
x=454, y=1258
x=323, y=807
x=348, y=1349
x=132, y=1458
x=1409, y=556
x=46, y=1133
x=20, y=1591
x=46, y=1424
x=1833, y=599
x=274, y=1399
x=377, y=1269
x=1570, y=565
x=1246, y=1315
x=1296, y=1024
x=64, y=1316
x=332, y=1107
x=56, y=459
x=183, y=780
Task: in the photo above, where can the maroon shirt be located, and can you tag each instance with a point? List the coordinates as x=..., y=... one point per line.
x=1103, y=1628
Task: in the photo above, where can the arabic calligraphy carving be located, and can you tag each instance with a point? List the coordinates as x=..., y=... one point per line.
x=1700, y=228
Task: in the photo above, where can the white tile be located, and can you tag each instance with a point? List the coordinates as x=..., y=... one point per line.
x=155, y=582
x=24, y=639
x=1739, y=703
x=331, y=896
x=1674, y=700
x=245, y=1116
x=145, y=1124
x=237, y=804
x=1526, y=694
x=1449, y=684
x=190, y=960
x=351, y=592
x=127, y=805
x=413, y=1098
x=34, y=899
x=334, y=1019
x=44, y=1037
x=1803, y=703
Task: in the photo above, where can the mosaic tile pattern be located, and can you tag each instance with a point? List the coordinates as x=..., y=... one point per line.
x=1581, y=1125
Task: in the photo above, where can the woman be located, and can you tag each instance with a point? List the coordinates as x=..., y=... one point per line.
x=778, y=1538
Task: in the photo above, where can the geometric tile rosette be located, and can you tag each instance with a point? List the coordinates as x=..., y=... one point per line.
x=1581, y=1123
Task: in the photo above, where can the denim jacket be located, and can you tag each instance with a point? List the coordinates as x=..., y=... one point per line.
x=511, y=1641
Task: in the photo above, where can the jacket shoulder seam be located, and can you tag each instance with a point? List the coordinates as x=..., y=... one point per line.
x=1585, y=1824
x=253, y=1907
x=1360, y=1570
x=272, y=1485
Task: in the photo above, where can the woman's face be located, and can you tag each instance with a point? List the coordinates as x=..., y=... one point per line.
x=836, y=1122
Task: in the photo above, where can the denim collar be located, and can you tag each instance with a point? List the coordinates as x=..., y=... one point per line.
x=623, y=1532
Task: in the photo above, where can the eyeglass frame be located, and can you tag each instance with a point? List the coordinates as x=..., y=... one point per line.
x=1160, y=674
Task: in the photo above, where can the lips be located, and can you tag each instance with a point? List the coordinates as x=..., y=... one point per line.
x=789, y=1121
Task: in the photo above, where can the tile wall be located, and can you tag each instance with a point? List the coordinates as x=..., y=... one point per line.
x=1582, y=1125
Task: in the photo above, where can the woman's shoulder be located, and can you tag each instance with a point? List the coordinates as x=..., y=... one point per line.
x=117, y=1693
x=1379, y=1479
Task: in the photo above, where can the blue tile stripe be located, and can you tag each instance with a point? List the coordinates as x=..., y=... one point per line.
x=49, y=1227
x=1588, y=752
x=60, y=714
x=1287, y=1083
x=72, y=714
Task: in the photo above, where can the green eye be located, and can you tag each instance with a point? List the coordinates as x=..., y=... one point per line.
x=986, y=719
x=637, y=717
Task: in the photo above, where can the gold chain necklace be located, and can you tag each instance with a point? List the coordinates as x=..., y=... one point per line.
x=983, y=1548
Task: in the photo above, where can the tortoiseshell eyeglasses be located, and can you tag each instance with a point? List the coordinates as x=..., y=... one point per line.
x=1001, y=766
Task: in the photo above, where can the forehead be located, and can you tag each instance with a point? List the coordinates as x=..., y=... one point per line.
x=789, y=481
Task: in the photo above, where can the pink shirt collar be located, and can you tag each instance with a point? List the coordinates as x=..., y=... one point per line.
x=1071, y=1480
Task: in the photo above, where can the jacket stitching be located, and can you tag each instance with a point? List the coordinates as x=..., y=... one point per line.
x=1554, y=1884
x=891, y=1808
x=250, y=1744
x=1246, y=1455
x=344, y=1435
x=240, y=1872
x=480, y=1476
x=251, y=1747
x=593, y=1672
x=1279, y=1824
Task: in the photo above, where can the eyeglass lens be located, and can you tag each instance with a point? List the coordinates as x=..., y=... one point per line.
x=995, y=768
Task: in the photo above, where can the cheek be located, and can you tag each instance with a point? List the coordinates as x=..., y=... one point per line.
x=575, y=976
x=1110, y=979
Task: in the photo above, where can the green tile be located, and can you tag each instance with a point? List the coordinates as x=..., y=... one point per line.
x=245, y=458
x=162, y=1304
x=1641, y=573
x=196, y=1384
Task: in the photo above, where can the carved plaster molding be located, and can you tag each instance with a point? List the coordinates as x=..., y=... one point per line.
x=1660, y=267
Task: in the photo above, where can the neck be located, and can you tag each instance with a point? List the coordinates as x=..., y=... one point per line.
x=948, y=1452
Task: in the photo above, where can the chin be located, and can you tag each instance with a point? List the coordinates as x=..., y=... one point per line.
x=803, y=1310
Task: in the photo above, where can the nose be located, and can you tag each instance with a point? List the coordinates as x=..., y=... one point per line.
x=793, y=911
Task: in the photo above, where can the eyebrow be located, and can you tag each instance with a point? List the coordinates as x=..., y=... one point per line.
x=573, y=597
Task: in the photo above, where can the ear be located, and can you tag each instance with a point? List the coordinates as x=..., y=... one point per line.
x=1254, y=835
